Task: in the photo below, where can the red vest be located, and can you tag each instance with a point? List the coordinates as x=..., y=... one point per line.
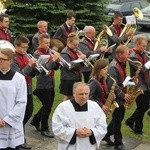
x=23, y=62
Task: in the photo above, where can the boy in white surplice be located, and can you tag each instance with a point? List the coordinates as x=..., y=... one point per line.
x=13, y=98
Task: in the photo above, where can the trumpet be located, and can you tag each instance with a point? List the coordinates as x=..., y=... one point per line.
x=62, y=61
x=86, y=62
x=39, y=66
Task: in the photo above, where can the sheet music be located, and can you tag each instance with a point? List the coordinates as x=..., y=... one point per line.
x=127, y=81
x=93, y=56
x=77, y=61
x=43, y=59
x=130, y=19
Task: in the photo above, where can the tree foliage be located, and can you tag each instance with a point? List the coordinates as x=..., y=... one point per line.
x=24, y=14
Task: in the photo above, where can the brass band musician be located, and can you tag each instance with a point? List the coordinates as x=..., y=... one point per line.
x=86, y=45
x=117, y=70
x=135, y=121
x=68, y=27
x=116, y=29
x=26, y=67
x=73, y=74
x=97, y=83
x=45, y=87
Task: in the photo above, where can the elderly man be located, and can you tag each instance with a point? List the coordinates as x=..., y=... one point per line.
x=74, y=124
x=86, y=46
x=42, y=29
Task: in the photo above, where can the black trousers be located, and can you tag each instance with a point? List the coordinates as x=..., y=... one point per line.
x=29, y=109
x=137, y=117
x=9, y=148
x=86, y=76
x=114, y=127
x=46, y=96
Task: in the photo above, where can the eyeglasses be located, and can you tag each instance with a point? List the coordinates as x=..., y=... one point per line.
x=3, y=59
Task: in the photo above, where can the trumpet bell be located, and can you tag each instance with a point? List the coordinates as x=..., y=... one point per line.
x=6, y=44
x=107, y=30
x=138, y=13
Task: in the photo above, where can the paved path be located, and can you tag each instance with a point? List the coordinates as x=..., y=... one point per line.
x=38, y=142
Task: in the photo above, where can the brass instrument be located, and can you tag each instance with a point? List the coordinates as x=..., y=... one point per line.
x=86, y=62
x=2, y=6
x=62, y=61
x=131, y=27
x=103, y=42
x=78, y=32
x=110, y=103
x=104, y=31
x=133, y=90
x=39, y=66
x=58, y=42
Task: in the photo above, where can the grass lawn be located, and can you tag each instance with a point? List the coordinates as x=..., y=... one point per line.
x=126, y=131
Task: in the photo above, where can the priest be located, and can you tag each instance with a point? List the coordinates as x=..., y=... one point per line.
x=79, y=123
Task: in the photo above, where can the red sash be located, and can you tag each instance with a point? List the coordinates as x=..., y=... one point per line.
x=118, y=29
x=74, y=57
x=45, y=52
x=143, y=60
x=23, y=62
x=122, y=70
x=104, y=89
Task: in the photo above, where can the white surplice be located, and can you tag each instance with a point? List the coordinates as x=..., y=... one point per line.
x=13, y=99
x=66, y=120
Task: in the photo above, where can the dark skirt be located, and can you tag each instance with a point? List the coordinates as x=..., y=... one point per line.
x=66, y=87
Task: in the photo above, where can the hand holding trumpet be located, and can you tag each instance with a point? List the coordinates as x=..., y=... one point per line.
x=55, y=56
x=32, y=62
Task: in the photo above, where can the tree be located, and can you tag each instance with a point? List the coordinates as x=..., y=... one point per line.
x=24, y=14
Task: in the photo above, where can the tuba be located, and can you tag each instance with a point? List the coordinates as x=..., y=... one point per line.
x=133, y=90
x=110, y=103
x=131, y=27
x=104, y=31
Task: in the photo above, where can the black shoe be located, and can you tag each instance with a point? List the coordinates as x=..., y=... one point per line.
x=129, y=124
x=148, y=113
x=108, y=141
x=36, y=125
x=25, y=146
x=139, y=132
x=120, y=147
x=47, y=133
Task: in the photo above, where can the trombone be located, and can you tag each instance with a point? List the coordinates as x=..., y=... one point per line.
x=39, y=66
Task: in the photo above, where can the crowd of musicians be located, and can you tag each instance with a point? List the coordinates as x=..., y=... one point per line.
x=105, y=76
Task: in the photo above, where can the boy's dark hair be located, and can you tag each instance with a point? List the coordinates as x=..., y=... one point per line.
x=2, y=16
x=21, y=39
x=71, y=14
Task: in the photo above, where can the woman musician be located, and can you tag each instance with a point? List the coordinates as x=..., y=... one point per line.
x=72, y=74
x=97, y=83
